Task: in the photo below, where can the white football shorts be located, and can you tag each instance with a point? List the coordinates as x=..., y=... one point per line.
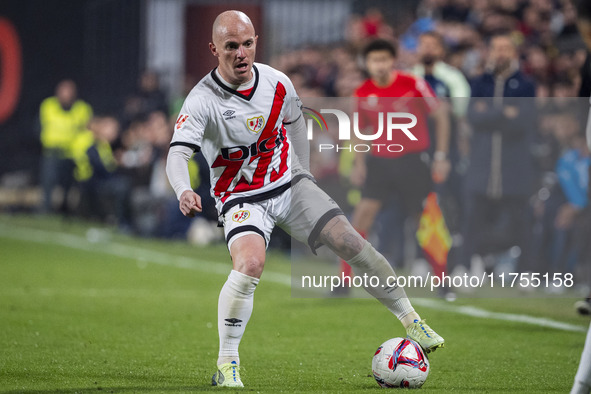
x=302, y=211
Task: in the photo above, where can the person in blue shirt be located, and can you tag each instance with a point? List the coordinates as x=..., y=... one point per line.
x=569, y=244
x=573, y=173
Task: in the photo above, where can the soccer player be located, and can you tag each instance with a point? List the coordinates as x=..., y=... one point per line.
x=246, y=119
x=384, y=175
x=582, y=384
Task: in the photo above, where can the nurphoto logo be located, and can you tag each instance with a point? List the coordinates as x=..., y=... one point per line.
x=387, y=122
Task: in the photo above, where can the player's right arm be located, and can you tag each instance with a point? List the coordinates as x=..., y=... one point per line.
x=296, y=126
x=177, y=170
x=186, y=140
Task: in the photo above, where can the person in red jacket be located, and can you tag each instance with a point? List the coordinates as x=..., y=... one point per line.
x=405, y=174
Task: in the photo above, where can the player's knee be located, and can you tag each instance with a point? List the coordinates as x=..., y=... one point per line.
x=342, y=238
x=251, y=266
x=350, y=245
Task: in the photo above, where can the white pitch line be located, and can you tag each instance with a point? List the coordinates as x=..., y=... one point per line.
x=125, y=251
x=90, y=292
x=511, y=317
x=147, y=256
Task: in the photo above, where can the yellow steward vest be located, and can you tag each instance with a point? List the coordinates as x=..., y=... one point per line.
x=59, y=127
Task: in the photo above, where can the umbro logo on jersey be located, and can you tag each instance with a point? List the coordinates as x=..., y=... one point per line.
x=229, y=114
x=233, y=322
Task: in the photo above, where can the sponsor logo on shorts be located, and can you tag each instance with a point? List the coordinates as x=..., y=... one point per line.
x=240, y=216
x=255, y=124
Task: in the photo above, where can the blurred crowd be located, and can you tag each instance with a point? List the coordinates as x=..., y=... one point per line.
x=551, y=51
x=118, y=160
x=539, y=226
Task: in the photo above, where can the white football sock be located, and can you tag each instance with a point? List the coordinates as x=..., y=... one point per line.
x=234, y=310
x=369, y=261
x=583, y=376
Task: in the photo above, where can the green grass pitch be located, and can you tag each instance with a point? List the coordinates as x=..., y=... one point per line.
x=81, y=311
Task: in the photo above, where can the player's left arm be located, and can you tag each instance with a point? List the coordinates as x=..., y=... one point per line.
x=295, y=126
x=297, y=133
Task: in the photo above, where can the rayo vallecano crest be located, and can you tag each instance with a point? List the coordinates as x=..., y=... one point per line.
x=255, y=124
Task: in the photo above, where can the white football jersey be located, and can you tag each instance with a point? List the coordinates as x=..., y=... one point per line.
x=243, y=138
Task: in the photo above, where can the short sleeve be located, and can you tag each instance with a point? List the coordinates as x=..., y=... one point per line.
x=190, y=124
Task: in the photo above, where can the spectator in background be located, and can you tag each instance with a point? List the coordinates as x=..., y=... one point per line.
x=139, y=154
x=445, y=80
x=585, y=88
x=572, y=221
x=176, y=104
x=63, y=117
x=101, y=186
x=448, y=83
x=557, y=241
x=582, y=381
x=384, y=174
x=150, y=94
x=538, y=64
x=136, y=152
x=148, y=98
x=374, y=25
x=500, y=167
x=363, y=29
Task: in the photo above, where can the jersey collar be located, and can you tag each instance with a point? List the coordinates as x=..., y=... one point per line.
x=233, y=91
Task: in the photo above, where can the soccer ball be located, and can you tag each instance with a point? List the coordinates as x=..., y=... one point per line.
x=400, y=363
